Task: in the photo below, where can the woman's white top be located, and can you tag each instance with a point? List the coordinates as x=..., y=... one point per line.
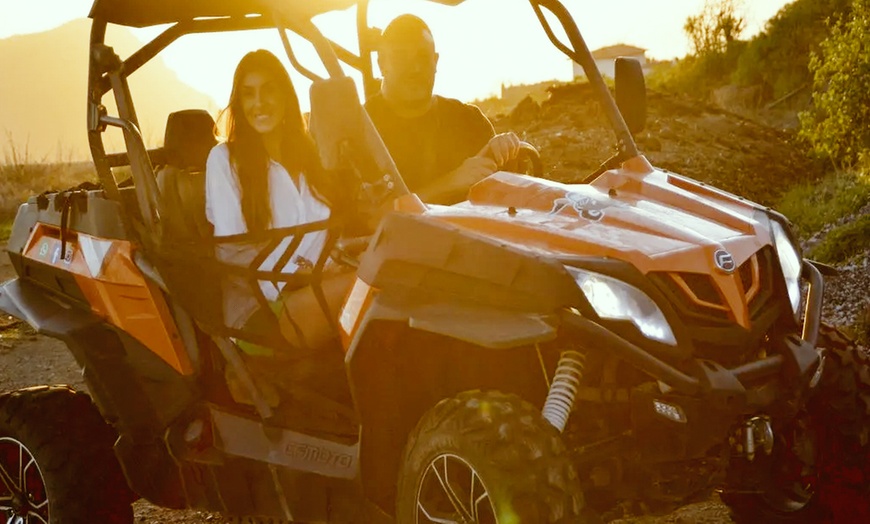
x=291, y=206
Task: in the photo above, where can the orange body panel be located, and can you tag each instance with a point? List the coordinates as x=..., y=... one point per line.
x=358, y=300
x=114, y=288
x=646, y=217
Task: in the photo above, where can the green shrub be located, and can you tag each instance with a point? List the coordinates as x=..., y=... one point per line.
x=713, y=34
x=777, y=59
x=716, y=27
x=844, y=242
x=697, y=75
x=838, y=125
x=813, y=205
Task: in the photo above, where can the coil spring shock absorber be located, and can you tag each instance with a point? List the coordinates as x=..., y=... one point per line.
x=563, y=390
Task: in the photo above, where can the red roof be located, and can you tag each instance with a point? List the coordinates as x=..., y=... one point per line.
x=616, y=51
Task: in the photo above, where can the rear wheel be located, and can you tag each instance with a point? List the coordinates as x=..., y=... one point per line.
x=823, y=461
x=487, y=458
x=56, y=461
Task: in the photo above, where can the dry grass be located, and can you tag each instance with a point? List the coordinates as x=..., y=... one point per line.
x=22, y=176
x=5, y=229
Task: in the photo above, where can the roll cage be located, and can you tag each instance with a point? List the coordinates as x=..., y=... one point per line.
x=108, y=72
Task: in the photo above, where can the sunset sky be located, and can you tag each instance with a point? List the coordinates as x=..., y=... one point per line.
x=482, y=43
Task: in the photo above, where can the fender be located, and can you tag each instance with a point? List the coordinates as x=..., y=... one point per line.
x=46, y=313
x=484, y=327
x=403, y=360
x=480, y=326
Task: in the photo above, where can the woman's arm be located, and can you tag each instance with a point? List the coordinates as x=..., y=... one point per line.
x=223, y=202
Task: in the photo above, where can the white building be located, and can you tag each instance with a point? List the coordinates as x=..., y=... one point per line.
x=606, y=56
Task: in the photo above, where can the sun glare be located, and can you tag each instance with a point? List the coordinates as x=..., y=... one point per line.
x=483, y=44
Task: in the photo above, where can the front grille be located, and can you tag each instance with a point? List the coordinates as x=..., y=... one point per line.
x=702, y=309
x=748, y=272
x=702, y=287
x=695, y=298
x=766, y=290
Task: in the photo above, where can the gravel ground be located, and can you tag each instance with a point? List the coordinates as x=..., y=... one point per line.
x=847, y=296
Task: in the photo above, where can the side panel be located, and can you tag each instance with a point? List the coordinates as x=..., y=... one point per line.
x=84, y=288
x=94, y=271
x=138, y=393
x=109, y=281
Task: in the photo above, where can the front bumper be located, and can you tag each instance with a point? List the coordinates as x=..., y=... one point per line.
x=692, y=405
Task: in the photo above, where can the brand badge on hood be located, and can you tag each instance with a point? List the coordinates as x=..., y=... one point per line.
x=724, y=261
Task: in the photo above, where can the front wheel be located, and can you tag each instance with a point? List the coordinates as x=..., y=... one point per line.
x=823, y=460
x=56, y=461
x=487, y=458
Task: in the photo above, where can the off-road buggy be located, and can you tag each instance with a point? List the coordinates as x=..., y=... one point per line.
x=539, y=353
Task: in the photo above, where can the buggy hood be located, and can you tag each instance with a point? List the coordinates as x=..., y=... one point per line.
x=656, y=222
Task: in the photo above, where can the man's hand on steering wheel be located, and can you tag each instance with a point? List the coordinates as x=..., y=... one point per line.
x=512, y=154
x=502, y=148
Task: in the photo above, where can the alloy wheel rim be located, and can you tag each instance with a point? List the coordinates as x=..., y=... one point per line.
x=452, y=492
x=23, y=495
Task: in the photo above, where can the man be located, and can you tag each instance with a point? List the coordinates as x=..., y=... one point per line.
x=441, y=146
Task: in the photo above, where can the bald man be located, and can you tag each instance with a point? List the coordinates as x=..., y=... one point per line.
x=441, y=146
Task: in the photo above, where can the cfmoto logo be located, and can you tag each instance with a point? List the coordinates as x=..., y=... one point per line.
x=724, y=261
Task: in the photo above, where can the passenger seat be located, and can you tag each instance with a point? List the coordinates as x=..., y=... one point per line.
x=189, y=138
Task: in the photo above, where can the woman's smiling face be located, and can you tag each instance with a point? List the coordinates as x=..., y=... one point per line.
x=263, y=102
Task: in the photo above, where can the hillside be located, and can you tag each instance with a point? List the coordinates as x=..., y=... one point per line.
x=687, y=136
x=42, y=92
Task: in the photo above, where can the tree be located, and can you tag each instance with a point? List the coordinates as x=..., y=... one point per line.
x=778, y=58
x=838, y=124
x=717, y=25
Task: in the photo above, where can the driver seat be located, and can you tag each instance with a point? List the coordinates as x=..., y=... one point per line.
x=188, y=140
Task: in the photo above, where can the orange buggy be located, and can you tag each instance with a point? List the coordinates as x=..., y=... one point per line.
x=536, y=354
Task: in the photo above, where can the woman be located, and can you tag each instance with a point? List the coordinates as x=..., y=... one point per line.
x=265, y=176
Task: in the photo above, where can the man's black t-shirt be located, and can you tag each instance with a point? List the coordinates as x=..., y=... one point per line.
x=433, y=144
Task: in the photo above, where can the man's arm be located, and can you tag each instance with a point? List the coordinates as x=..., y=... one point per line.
x=495, y=150
x=453, y=186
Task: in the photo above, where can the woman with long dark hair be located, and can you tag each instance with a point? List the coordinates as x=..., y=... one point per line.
x=265, y=176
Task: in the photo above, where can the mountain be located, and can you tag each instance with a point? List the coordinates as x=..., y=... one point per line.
x=43, y=81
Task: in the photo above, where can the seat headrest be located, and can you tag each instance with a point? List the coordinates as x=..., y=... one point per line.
x=189, y=138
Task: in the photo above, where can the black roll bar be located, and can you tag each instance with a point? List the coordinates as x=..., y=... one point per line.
x=210, y=25
x=581, y=54
x=365, y=35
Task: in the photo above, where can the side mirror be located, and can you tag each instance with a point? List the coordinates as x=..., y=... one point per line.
x=631, y=93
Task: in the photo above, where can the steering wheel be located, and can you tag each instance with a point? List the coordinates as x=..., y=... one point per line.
x=527, y=161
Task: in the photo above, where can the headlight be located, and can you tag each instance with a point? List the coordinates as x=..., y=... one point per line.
x=615, y=300
x=791, y=264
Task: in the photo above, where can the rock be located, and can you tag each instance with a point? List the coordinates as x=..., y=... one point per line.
x=526, y=110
